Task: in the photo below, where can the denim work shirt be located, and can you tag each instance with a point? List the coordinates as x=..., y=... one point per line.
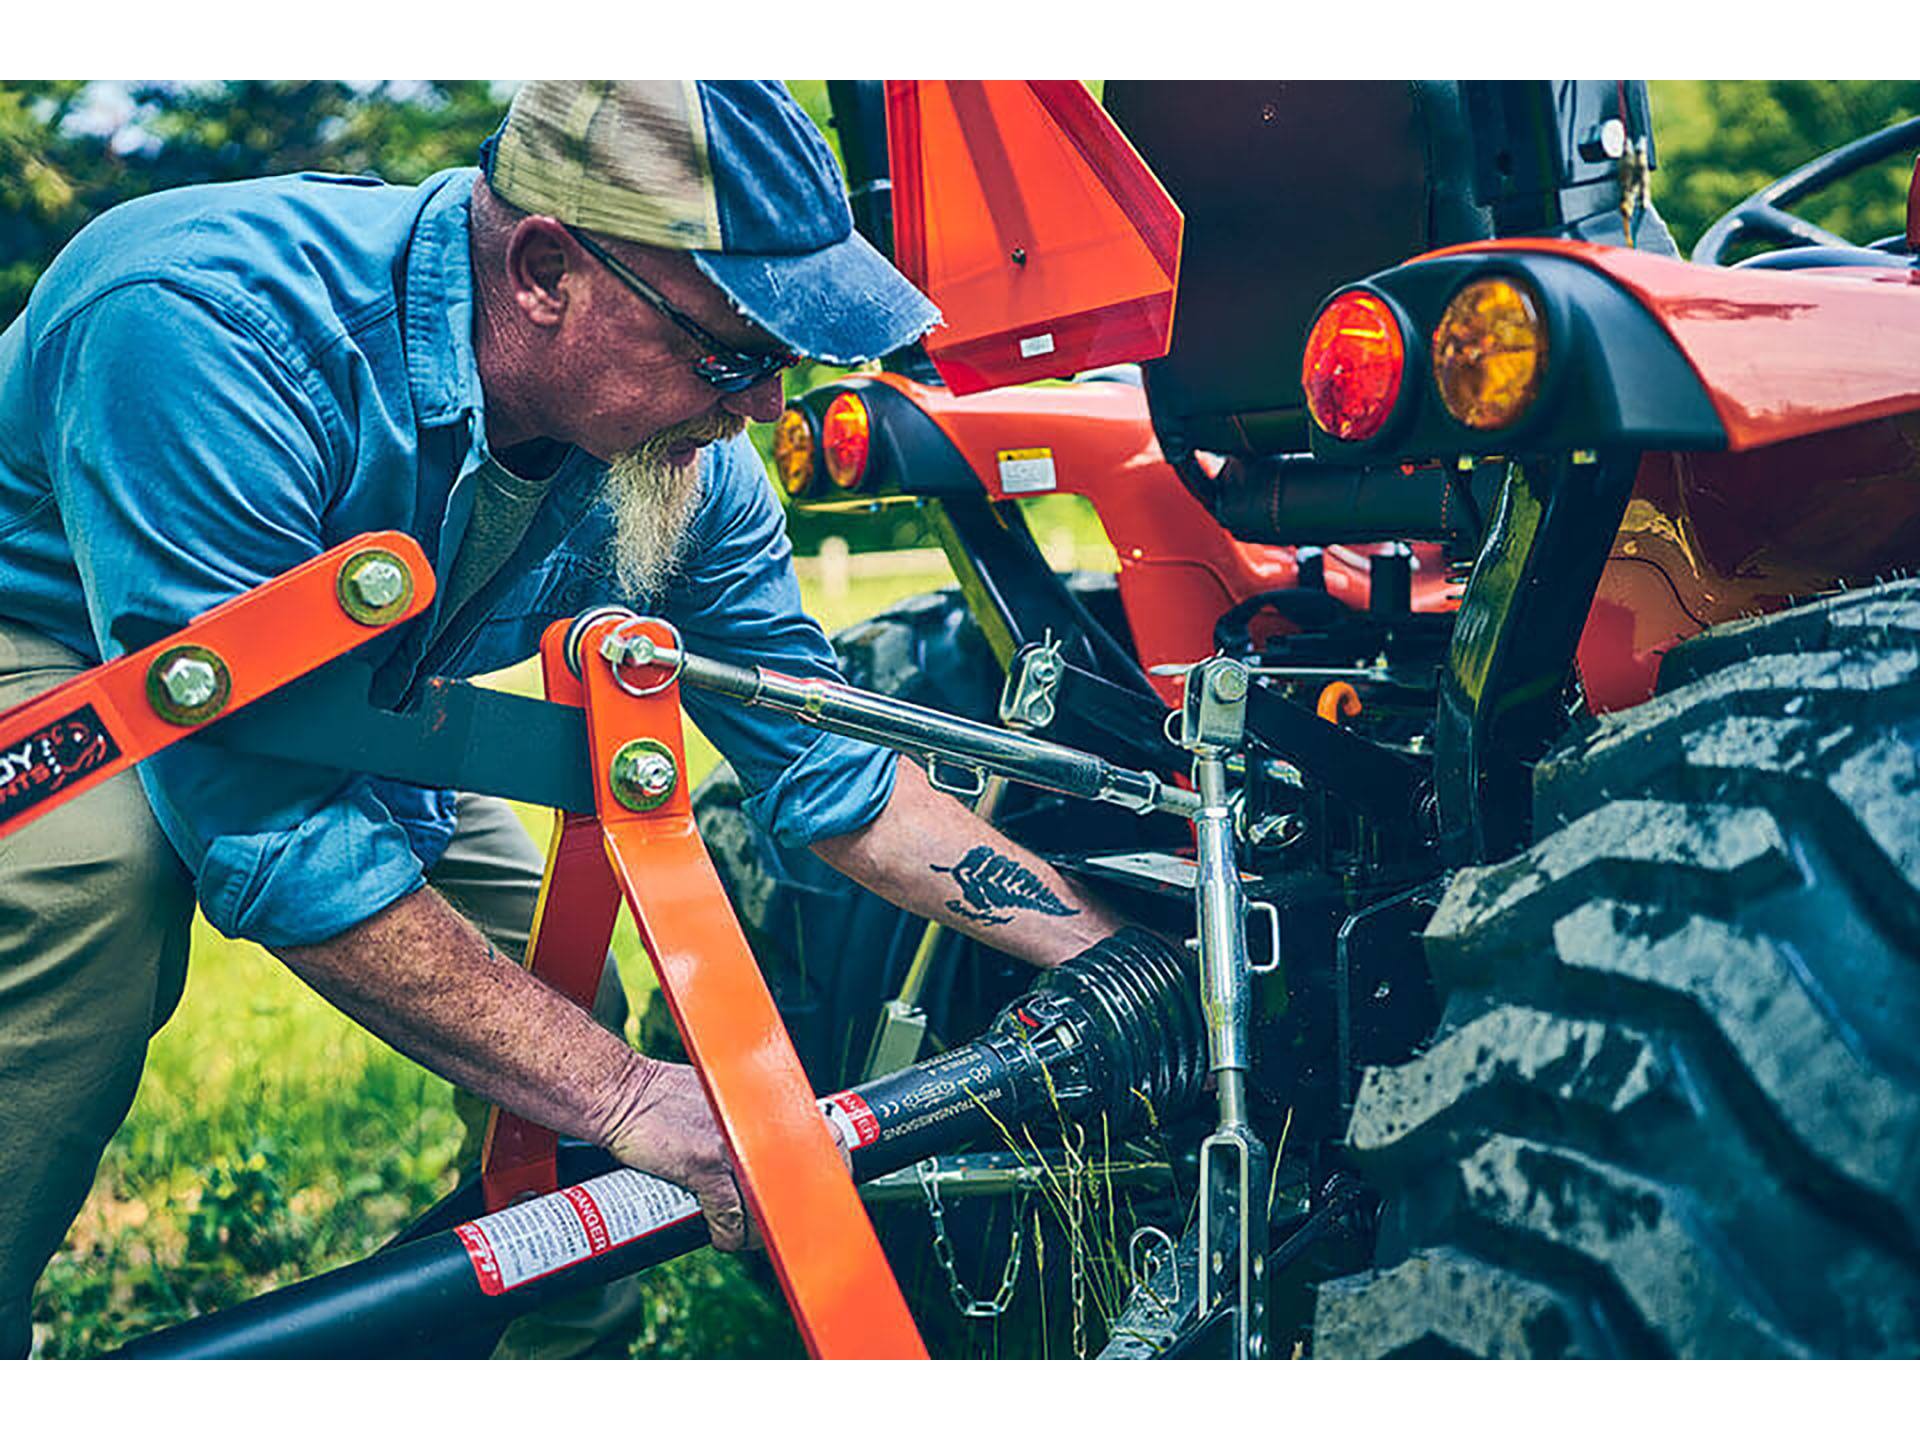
x=213, y=384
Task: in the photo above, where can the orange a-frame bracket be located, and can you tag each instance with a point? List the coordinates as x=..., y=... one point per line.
x=572, y=925
x=836, y=1278
x=62, y=743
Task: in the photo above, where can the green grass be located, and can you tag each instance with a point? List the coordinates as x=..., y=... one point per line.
x=272, y=1138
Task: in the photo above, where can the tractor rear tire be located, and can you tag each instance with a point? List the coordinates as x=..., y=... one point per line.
x=1673, y=1106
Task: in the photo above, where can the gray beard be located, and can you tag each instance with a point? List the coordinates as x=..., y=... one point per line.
x=654, y=502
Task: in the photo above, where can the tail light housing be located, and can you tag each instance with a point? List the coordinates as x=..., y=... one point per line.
x=1490, y=352
x=846, y=440
x=794, y=453
x=1354, y=364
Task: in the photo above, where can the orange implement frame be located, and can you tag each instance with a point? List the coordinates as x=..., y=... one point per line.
x=836, y=1278
x=66, y=741
x=795, y=1185
x=572, y=927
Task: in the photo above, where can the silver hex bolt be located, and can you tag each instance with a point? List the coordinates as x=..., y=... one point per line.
x=378, y=583
x=374, y=587
x=190, y=682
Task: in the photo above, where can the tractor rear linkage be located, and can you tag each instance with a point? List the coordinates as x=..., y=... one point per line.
x=1122, y=1023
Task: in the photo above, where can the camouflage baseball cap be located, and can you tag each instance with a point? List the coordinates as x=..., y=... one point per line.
x=731, y=171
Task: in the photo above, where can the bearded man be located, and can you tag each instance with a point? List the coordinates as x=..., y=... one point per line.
x=541, y=370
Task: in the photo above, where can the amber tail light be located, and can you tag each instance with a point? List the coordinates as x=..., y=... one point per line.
x=794, y=453
x=1490, y=353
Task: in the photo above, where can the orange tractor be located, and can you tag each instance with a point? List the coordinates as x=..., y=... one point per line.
x=1507, y=694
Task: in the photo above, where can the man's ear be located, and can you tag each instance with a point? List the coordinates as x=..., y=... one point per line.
x=541, y=256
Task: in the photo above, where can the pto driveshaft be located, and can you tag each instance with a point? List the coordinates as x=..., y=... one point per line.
x=1112, y=1026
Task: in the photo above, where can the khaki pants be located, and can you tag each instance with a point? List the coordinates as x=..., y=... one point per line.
x=95, y=915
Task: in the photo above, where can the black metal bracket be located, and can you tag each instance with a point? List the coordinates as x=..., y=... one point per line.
x=1502, y=694
x=457, y=737
x=1381, y=783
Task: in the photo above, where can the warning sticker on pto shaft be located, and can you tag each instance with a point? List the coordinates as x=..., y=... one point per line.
x=535, y=1239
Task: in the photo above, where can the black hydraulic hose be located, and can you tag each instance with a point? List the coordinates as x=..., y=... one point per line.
x=1116, y=1025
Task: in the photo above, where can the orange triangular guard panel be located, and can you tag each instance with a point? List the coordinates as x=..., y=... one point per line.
x=1034, y=226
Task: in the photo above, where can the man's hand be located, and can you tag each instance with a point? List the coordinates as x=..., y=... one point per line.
x=665, y=1127
x=422, y=978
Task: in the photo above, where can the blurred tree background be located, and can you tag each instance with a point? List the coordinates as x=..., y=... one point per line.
x=1718, y=141
x=69, y=148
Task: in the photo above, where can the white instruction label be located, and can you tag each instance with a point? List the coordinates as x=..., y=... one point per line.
x=538, y=1237
x=852, y=1117
x=1024, y=472
x=1032, y=345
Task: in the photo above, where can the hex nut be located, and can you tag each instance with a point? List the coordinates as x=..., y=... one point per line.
x=1230, y=683
x=654, y=775
x=619, y=649
x=643, y=774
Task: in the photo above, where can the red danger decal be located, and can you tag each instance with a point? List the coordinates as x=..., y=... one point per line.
x=590, y=1219
x=852, y=1117
x=486, y=1268
x=537, y=1238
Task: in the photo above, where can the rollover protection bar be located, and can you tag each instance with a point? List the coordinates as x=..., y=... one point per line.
x=1115, y=1029
x=643, y=665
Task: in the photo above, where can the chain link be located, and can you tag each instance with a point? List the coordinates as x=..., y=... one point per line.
x=963, y=1299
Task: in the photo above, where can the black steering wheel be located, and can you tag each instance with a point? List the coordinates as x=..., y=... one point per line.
x=1763, y=214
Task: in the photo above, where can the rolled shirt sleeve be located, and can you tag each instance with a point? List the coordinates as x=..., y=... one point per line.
x=737, y=600
x=188, y=446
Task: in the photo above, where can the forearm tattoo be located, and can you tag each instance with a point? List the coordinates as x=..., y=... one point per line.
x=991, y=883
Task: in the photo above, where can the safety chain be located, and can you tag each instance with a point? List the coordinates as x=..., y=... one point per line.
x=963, y=1299
x=1077, y=1269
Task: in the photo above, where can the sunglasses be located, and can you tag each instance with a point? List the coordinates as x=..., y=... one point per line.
x=726, y=370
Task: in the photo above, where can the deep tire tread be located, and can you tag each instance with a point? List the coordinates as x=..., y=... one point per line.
x=1675, y=1088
